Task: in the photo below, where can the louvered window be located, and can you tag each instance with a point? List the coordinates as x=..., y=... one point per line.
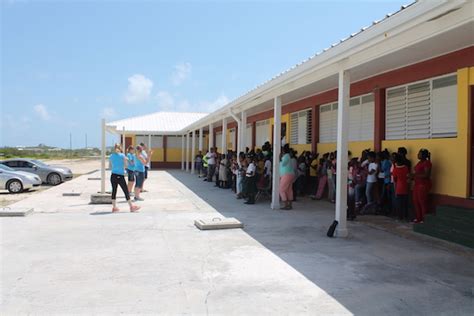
x=444, y=104
x=231, y=143
x=361, y=118
x=218, y=140
x=262, y=132
x=328, y=123
x=248, y=136
x=300, y=123
x=421, y=110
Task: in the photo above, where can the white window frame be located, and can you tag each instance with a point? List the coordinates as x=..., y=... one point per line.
x=452, y=134
x=300, y=134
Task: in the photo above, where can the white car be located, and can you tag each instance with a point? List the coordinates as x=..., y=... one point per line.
x=17, y=181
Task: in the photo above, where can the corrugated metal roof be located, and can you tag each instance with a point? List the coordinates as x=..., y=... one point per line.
x=159, y=122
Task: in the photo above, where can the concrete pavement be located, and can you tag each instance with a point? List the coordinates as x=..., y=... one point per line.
x=74, y=258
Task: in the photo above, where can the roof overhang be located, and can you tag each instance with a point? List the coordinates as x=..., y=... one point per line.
x=425, y=30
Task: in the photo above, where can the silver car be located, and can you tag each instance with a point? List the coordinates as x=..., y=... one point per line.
x=17, y=181
x=53, y=175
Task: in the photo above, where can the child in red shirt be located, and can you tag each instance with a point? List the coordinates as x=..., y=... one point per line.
x=400, y=179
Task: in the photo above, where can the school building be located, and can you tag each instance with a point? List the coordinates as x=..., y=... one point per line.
x=406, y=80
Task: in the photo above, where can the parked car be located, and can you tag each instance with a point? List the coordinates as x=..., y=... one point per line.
x=17, y=181
x=53, y=175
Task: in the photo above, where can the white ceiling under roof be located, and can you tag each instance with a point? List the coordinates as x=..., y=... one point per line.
x=156, y=123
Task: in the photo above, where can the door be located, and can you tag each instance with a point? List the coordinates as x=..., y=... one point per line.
x=128, y=142
x=471, y=101
x=283, y=139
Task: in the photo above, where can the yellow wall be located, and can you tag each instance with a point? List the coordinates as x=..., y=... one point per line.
x=301, y=148
x=173, y=154
x=450, y=156
x=356, y=148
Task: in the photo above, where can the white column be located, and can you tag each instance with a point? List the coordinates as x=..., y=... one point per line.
x=149, y=147
x=224, y=136
x=342, y=137
x=193, y=149
x=243, y=131
x=187, y=151
x=211, y=136
x=123, y=140
x=200, y=139
x=102, y=159
x=276, y=153
x=182, y=152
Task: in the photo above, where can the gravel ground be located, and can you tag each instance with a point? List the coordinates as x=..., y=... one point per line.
x=78, y=166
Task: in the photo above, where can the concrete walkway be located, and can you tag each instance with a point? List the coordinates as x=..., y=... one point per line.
x=74, y=258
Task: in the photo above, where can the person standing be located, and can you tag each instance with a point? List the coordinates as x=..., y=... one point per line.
x=287, y=176
x=400, y=180
x=422, y=177
x=371, y=181
x=211, y=164
x=118, y=163
x=140, y=163
x=198, y=163
x=146, y=153
x=251, y=179
x=131, y=168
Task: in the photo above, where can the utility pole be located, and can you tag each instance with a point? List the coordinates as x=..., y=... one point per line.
x=70, y=145
x=86, y=141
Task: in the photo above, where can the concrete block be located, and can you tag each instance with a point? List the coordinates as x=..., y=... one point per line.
x=15, y=211
x=218, y=223
x=72, y=194
x=94, y=178
x=100, y=198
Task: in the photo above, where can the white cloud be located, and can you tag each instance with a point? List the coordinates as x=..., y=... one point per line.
x=42, y=112
x=165, y=101
x=108, y=112
x=139, y=89
x=182, y=71
x=209, y=106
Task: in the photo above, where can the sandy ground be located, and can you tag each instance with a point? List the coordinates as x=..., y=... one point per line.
x=78, y=166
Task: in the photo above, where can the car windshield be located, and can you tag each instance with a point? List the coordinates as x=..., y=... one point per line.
x=3, y=167
x=39, y=163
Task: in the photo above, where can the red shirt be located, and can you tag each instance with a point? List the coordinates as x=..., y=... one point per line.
x=400, y=177
x=420, y=168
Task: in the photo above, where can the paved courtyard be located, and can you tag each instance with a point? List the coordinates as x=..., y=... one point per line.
x=70, y=257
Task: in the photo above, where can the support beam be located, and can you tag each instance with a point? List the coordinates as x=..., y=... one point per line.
x=102, y=159
x=243, y=132
x=187, y=151
x=182, y=153
x=342, y=147
x=193, y=149
x=379, y=126
x=200, y=139
x=149, y=148
x=224, y=136
x=123, y=140
x=237, y=132
x=211, y=136
x=276, y=153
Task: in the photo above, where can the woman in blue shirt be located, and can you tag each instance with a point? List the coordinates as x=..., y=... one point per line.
x=140, y=163
x=131, y=167
x=118, y=163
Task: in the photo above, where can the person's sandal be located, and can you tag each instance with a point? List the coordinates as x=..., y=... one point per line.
x=134, y=208
x=115, y=209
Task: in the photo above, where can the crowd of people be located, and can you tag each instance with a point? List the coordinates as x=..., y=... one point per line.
x=378, y=182
x=135, y=165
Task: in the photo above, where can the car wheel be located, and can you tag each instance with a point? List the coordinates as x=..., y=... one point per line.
x=15, y=186
x=54, y=178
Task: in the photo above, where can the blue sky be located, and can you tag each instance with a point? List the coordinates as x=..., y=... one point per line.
x=67, y=64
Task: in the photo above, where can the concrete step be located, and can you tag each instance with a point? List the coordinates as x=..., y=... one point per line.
x=450, y=222
x=442, y=231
